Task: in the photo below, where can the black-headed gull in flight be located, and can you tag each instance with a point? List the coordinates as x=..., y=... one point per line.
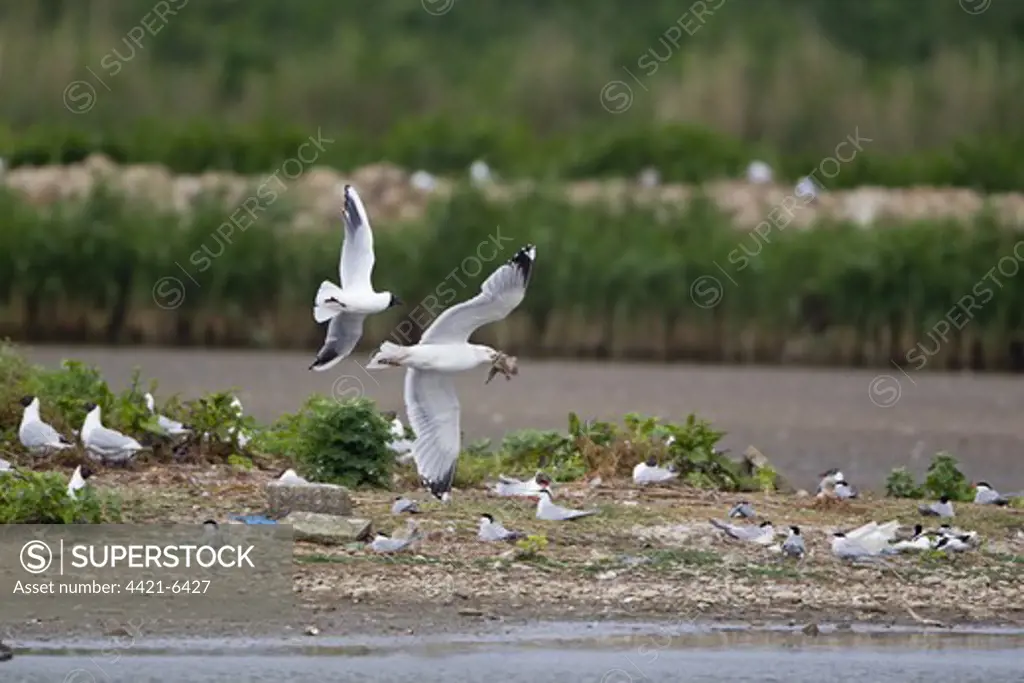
x=443, y=350
x=348, y=305
x=105, y=444
x=36, y=436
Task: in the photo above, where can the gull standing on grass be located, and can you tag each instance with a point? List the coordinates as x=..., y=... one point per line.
x=547, y=510
x=444, y=349
x=105, y=444
x=763, y=534
x=491, y=531
x=649, y=473
x=172, y=427
x=348, y=305
x=35, y=435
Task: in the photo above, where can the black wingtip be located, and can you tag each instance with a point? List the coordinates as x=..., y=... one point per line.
x=523, y=260
x=441, y=486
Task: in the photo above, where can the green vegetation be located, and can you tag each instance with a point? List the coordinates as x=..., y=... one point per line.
x=98, y=270
x=42, y=498
x=233, y=84
x=338, y=442
x=943, y=478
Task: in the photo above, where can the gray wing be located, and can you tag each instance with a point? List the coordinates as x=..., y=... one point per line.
x=499, y=295
x=989, y=498
x=433, y=409
x=107, y=440
x=794, y=545
x=343, y=333
x=357, y=257
x=39, y=434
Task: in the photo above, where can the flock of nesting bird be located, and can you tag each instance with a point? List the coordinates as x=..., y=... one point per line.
x=100, y=443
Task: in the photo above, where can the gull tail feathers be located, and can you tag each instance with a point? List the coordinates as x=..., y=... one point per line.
x=328, y=302
x=389, y=355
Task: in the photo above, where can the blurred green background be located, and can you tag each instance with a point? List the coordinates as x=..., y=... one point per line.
x=238, y=85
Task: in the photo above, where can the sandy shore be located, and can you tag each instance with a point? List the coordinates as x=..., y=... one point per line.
x=650, y=555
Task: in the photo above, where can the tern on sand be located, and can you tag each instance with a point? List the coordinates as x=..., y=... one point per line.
x=35, y=435
x=850, y=549
x=444, y=349
x=548, y=510
x=172, y=427
x=986, y=495
x=382, y=543
x=763, y=534
x=404, y=505
x=919, y=541
x=348, y=305
x=77, y=482
x=943, y=508
x=507, y=486
x=494, y=531
x=743, y=510
x=106, y=444
x=649, y=473
x=844, y=491
x=794, y=546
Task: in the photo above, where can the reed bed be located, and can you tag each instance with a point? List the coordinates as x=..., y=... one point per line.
x=627, y=282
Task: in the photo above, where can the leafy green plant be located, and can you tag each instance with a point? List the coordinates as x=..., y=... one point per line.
x=216, y=420
x=531, y=547
x=900, y=484
x=343, y=443
x=41, y=498
x=944, y=478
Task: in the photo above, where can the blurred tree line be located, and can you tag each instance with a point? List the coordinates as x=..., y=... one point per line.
x=797, y=75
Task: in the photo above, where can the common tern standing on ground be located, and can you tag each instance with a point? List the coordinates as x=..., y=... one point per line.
x=548, y=510
x=794, y=546
x=829, y=479
x=431, y=401
x=106, y=444
x=77, y=482
x=648, y=472
x=494, y=531
x=172, y=427
x=943, y=508
x=404, y=505
x=36, y=436
x=986, y=495
x=743, y=510
x=763, y=534
x=347, y=306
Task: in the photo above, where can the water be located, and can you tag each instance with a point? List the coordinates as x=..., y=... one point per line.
x=528, y=657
